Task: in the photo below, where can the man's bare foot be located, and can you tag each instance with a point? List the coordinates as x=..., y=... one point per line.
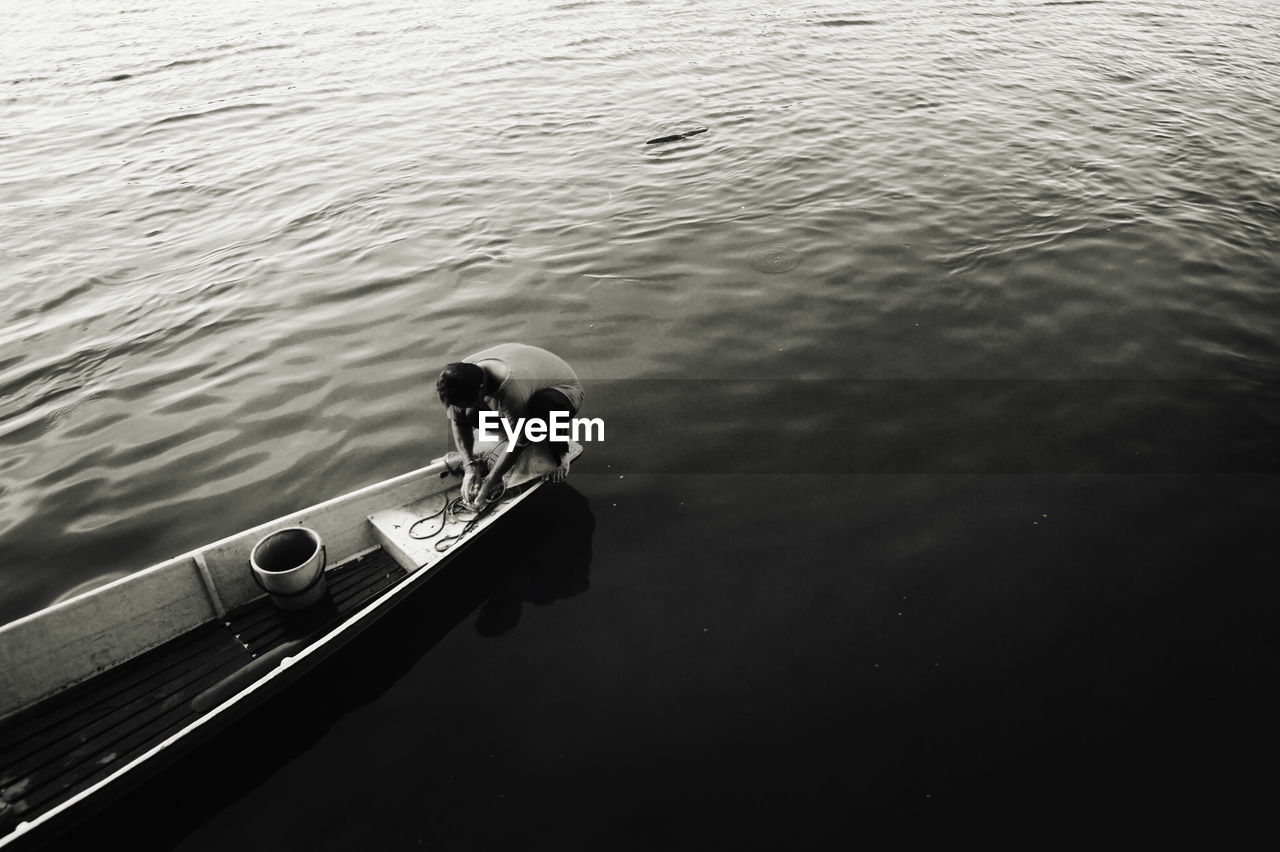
x=559, y=474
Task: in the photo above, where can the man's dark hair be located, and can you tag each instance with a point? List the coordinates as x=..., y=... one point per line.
x=458, y=383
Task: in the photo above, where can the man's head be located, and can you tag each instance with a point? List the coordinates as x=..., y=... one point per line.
x=460, y=384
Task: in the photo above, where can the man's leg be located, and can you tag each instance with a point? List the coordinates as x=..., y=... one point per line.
x=541, y=404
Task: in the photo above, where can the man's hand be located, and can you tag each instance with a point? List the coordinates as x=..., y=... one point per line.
x=485, y=493
x=472, y=481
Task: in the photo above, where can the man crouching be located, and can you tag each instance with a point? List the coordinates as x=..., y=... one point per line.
x=516, y=381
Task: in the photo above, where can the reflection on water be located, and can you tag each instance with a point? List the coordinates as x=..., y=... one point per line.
x=552, y=561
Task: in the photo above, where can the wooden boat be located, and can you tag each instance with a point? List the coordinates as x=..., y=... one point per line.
x=102, y=690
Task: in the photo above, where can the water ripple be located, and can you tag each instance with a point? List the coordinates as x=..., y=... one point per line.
x=236, y=240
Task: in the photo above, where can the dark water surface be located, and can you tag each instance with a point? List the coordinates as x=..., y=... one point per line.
x=939, y=374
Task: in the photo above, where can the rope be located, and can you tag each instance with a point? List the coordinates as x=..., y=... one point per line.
x=453, y=510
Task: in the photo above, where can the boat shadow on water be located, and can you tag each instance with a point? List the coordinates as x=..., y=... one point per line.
x=540, y=554
x=551, y=559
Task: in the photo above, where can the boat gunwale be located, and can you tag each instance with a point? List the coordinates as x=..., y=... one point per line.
x=444, y=463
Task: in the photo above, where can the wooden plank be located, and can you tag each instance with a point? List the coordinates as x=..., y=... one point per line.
x=89, y=746
x=19, y=731
x=124, y=742
x=338, y=579
x=61, y=748
x=266, y=626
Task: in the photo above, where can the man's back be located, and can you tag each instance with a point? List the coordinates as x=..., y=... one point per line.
x=529, y=370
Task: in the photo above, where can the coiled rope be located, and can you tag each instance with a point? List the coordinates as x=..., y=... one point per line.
x=454, y=509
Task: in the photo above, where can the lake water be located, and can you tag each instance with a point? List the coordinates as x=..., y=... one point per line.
x=939, y=375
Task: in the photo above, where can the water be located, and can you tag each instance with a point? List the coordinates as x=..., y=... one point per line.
x=939, y=375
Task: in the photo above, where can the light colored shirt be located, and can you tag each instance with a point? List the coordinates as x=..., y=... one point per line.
x=529, y=370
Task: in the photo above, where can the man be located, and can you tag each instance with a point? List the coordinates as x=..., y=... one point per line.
x=515, y=380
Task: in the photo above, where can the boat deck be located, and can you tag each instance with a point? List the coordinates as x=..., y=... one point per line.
x=54, y=750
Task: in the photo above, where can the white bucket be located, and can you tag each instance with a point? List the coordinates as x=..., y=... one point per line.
x=289, y=565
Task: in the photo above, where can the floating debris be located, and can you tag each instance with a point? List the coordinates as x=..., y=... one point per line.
x=676, y=137
x=847, y=22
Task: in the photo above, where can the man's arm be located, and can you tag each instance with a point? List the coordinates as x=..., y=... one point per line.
x=464, y=439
